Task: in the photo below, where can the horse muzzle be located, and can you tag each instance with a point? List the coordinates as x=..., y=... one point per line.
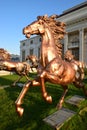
x=27, y=31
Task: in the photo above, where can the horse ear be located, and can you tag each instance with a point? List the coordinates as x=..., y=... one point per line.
x=39, y=17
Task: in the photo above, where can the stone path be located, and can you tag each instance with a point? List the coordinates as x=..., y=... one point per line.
x=20, y=84
x=2, y=73
x=4, y=86
x=57, y=119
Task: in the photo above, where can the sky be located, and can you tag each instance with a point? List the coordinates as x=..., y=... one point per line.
x=16, y=14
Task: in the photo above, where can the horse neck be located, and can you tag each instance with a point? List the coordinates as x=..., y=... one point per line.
x=48, y=48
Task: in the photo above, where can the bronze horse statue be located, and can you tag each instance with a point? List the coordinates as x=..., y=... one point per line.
x=54, y=69
x=68, y=56
x=4, y=54
x=20, y=68
x=34, y=61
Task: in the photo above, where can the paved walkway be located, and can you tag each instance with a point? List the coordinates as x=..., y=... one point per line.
x=2, y=73
x=4, y=86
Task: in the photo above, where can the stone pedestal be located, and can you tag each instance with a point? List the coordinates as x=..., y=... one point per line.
x=75, y=100
x=57, y=119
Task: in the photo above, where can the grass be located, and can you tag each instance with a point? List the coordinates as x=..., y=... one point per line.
x=35, y=108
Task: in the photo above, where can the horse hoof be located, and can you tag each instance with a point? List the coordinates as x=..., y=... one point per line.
x=49, y=99
x=20, y=111
x=13, y=85
x=59, y=106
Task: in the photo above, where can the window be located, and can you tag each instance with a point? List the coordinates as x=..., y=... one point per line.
x=39, y=52
x=23, y=44
x=23, y=55
x=75, y=52
x=31, y=42
x=31, y=51
x=40, y=40
x=85, y=37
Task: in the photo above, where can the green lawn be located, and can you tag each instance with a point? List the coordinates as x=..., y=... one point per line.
x=35, y=108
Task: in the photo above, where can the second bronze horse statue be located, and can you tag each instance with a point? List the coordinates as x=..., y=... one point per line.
x=20, y=68
x=34, y=61
x=54, y=69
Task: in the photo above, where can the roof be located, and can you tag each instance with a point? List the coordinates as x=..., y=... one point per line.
x=79, y=6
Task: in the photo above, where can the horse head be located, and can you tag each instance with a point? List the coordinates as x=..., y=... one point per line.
x=38, y=26
x=32, y=58
x=35, y=27
x=51, y=31
x=4, y=54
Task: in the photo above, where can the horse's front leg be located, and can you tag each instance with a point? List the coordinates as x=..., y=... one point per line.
x=59, y=105
x=18, y=102
x=47, y=97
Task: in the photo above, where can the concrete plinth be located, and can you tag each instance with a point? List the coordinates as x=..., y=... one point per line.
x=75, y=100
x=57, y=119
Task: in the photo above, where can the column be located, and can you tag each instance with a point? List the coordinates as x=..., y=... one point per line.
x=81, y=44
x=65, y=43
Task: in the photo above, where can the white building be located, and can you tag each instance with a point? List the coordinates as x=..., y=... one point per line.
x=76, y=26
x=75, y=40
x=15, y=58
x=30, y=47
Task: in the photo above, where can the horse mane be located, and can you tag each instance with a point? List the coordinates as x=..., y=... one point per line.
x=4, y=54
x=57, y=28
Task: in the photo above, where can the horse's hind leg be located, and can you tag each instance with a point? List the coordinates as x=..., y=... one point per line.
x=14, y=84
x=26, y=77
x=59, y=105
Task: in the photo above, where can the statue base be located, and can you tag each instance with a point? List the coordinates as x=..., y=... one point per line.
x=57, y=119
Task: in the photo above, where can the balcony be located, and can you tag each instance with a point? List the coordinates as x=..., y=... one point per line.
x=73, y=45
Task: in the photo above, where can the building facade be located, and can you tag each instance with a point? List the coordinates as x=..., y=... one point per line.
x=15, y=58
x=76, y=28
x=30, y=47
x=75, y=39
